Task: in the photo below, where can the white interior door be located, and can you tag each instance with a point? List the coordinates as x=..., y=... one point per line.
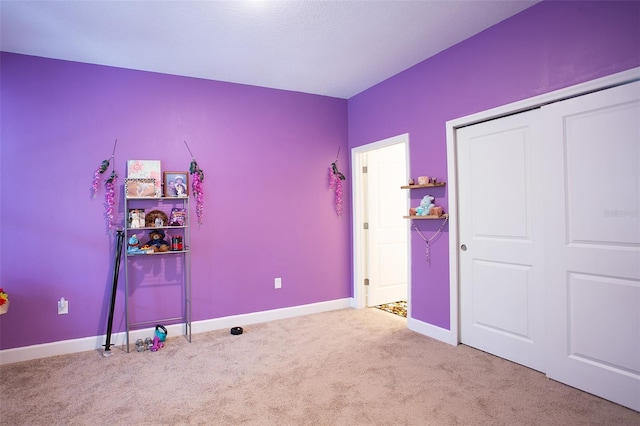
x=501, y=234
x=593, y=255
x=387, y=230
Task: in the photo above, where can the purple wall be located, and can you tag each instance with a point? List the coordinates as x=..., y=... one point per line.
x=546, y=47
x=268, y=210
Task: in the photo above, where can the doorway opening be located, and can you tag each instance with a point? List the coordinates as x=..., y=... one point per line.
x=398, y=308
x=381, y=249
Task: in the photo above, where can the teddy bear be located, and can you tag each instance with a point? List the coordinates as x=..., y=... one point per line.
x=157, y=241
x=425, y=206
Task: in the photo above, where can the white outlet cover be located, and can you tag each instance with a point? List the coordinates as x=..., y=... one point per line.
x=63, y=306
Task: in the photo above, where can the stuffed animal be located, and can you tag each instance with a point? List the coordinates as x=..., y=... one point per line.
x=137, y=219
x=425, y=206
x=134, y=246
x=157, y=241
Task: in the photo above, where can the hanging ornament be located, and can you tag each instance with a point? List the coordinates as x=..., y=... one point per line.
x=197, y=177
x=110, y=198
x=433, y=239
x=335, y=183
x=109, y=186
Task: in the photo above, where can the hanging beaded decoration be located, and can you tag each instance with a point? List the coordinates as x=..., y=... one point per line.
x=433, y=238
x=335, y=183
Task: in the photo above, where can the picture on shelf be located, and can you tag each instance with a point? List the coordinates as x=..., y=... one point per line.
x=146, y=169
x=136, y=218
x=176, y=184
x=177, y=217
x=140, y=188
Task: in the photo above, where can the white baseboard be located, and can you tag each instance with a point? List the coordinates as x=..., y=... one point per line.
x=63, y=347
x=430, y=330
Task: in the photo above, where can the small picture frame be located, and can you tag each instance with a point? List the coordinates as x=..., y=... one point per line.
x=176, y=184
x=136, y=218
x=140, y=188
x=146, y=169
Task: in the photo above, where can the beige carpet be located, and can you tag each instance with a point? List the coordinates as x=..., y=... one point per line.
x=348, y=367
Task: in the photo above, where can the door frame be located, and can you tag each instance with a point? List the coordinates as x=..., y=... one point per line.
x=606, y=82
x=359, y=298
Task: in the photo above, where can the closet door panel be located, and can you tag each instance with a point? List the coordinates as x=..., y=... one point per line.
x=593, y=243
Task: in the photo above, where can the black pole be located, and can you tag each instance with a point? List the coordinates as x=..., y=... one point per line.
x=116, y=270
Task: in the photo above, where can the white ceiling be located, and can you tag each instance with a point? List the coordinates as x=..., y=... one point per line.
x=332, y=48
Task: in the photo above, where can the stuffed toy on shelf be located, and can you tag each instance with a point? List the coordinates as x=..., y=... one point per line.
x=425, y=205
x=426, y=208
x=157, y=241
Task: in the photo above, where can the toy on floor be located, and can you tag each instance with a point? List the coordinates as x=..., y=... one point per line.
x=157, y=344
x=140, y=345
x=145, y=345
x=161, y=332
x=152, y=344
x=159, y=338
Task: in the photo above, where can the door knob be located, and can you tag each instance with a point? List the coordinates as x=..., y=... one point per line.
x=463, y=247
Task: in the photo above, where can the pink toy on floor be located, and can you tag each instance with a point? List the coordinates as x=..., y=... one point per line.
x=157, y=344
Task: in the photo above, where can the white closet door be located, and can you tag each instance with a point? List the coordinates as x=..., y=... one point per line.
x=593, y=243
x=501, y=208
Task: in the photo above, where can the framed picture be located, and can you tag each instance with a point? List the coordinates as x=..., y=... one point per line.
x=136, y=218
x=146, y=169
x=140, y=188
x=176, y=184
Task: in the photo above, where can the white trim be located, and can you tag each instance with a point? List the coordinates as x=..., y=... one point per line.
x=452, y=181
x=432, y=331
x=452, y=189
x=359, y=296
x=547, y=98
x=357, y=161
x=272, y=315
x=64, y=347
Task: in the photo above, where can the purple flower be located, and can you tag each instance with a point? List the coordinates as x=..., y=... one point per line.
x=198, y=189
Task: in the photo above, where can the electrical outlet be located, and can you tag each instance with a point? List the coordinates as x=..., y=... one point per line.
x=278, y=282
x=63, y=306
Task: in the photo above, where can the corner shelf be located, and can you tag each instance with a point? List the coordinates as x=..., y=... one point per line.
x=430, y=217
x=426, y=185
x=158, y=253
